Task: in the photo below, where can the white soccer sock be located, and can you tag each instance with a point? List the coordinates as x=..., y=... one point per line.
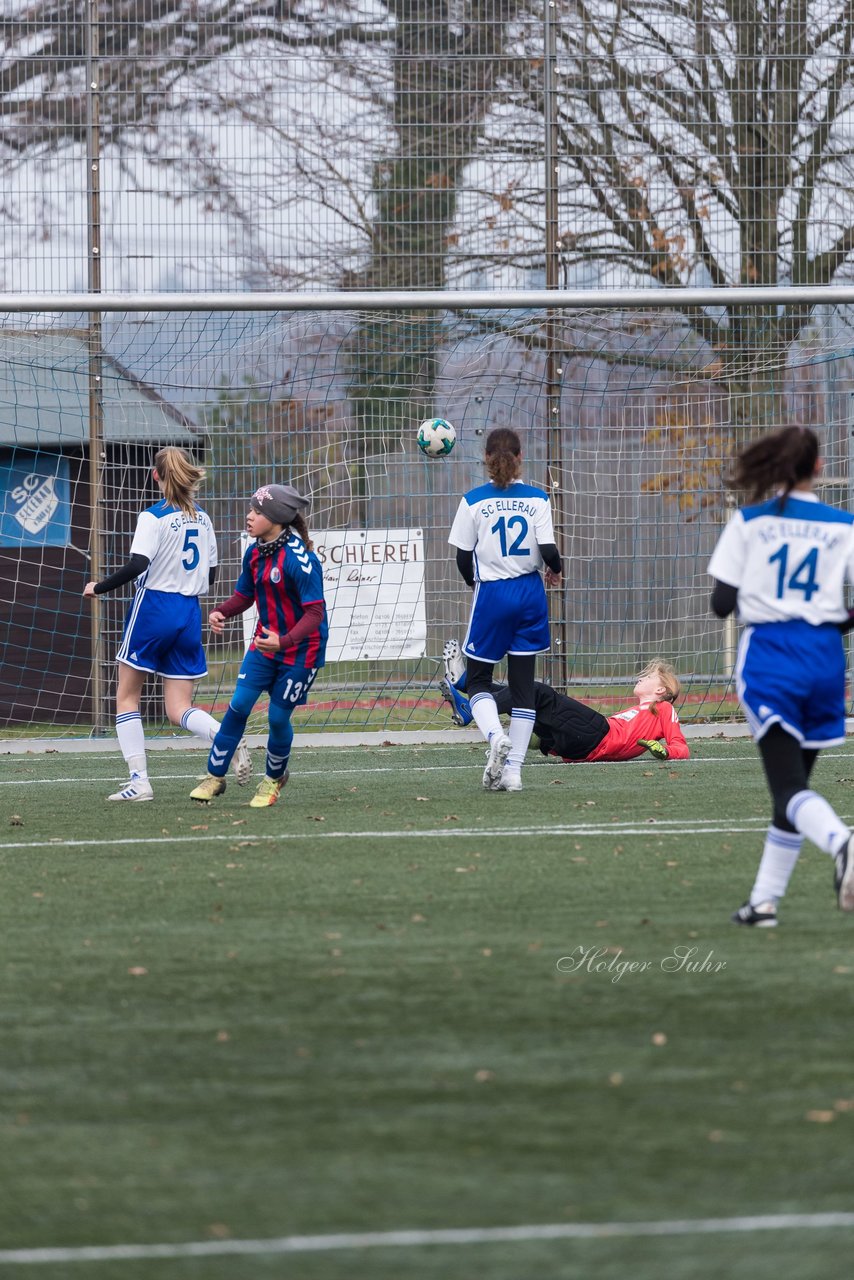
x=781, y=852
x=521, y=728
x=485, y=714
x=200, y=724
x=132, y=742
x=815, y=819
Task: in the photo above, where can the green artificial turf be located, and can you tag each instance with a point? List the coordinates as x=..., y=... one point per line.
x=220, y=1022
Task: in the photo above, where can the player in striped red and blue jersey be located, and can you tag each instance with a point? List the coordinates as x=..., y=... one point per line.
x=783, y=564
x=283, y=578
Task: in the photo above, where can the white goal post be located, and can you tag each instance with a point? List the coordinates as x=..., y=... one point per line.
x=629, y=403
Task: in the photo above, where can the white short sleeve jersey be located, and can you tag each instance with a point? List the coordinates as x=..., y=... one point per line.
x=504, y=528
x=181, y=550
x=789, y=564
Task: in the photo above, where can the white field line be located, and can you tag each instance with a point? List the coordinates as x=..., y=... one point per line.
x=417, y=1239
x=587, y=830
x=419, y=768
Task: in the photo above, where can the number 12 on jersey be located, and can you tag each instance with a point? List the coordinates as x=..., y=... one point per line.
x=502, y=527
x=803, y=576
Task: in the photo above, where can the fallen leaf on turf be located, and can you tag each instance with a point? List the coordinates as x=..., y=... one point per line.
x=422, y=798
x=451, y=817
x=333, y=937
x=137, y=971
x=615, y=1078
x=38, y=895
x=316, y=817
x=556, y=782
x=820, y=1117
x=482, y=1076
x=841, y=968
x=418, y=918
x=658, y=1037
x=464, y=870
x=201, y=826
x=222, y=1037
x=486, y=951
x=219, y=1231
x=578, y=859
x=716, y=1135
x=16, y=820
x=844, y=1104
x=238, y=822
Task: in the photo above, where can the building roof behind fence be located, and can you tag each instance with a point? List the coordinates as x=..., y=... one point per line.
x=44, y=396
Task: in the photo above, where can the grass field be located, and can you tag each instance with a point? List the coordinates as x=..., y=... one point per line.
x=366, y=1010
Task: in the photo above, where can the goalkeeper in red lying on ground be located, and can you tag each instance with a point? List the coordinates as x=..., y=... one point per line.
x=572, y=730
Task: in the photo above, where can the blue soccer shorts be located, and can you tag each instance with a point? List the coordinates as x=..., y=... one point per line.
x=287, y=686
x=163, y=635
x=793, y=674
x=508, y=616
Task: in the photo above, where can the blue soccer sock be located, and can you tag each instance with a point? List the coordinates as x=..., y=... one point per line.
x=280, y=740
x=226, y=742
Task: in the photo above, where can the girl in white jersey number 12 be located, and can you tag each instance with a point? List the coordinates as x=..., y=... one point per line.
x=504, y=536
x=173, y=560
x=783, y=564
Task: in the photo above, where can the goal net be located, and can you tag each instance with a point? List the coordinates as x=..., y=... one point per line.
x=628, y=414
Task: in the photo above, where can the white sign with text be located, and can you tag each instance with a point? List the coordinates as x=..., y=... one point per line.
x=373, y=582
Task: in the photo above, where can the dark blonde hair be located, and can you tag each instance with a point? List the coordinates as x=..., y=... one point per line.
x=180, y=478
x=778, y=460
x=666, y=676
x=503, y=457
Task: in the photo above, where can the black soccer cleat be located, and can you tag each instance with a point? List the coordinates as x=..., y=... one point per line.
x=763, y=916
x=844, y=876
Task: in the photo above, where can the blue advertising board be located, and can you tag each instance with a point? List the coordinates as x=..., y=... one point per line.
x=35, y=504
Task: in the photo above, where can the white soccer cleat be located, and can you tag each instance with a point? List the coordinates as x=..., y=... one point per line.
x=844, y=875
x=136, y=789
x=499, y=750
x=454, y=662
x=241, y=763
x=510, y=780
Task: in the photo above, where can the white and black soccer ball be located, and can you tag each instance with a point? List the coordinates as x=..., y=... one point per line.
x=436, y=437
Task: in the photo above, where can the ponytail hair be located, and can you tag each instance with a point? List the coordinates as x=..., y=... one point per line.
x=180, y=478
x=503, y=457
x=778, y=460
x=300, y=528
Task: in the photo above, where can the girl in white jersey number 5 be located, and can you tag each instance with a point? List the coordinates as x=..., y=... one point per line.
x=504, y=536
x=783, y=564
x=173, y=559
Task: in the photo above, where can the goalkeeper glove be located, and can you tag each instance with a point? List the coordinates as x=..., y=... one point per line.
x=654, y=748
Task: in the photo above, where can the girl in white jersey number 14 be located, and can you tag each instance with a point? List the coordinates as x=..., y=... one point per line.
x=173, y=559
x=783, y=564
x=504, y=536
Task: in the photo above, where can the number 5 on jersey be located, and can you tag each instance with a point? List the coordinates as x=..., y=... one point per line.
x=191, y=556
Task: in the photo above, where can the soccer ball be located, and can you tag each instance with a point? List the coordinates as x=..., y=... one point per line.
x=436, y=437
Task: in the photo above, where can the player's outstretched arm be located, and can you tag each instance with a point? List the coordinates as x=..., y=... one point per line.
x=134, y=567
x=674, y=738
